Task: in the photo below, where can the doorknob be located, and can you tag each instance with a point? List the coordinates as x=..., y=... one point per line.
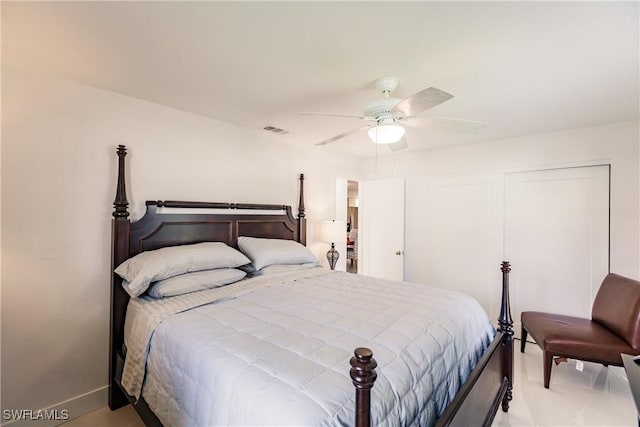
x=398, y=252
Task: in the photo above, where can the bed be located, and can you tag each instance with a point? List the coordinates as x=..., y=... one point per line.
x=311, y=333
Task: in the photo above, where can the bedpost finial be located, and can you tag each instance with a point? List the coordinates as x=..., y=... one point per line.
x=121, y=204
x=506, y=267
x=301, y=213
x=363, y=368
x=363, y=375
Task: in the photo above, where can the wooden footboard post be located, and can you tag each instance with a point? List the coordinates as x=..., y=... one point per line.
x=363, y=374
x=505, y=325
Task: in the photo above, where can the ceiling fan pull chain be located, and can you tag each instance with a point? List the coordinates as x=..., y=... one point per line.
x=375, y=168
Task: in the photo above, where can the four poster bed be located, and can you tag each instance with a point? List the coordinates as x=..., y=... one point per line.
x=289, y=335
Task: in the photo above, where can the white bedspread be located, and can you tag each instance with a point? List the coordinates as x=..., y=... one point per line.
x=275, y=350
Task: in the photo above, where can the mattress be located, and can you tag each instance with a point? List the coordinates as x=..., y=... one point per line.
x=275, y=350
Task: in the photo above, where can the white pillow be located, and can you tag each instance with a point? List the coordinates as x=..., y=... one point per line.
x=196, y=281
x=280, y=268
x=150, y=266
x=264, y=252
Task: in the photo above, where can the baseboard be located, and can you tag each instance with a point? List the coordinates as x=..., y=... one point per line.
x=69, y=409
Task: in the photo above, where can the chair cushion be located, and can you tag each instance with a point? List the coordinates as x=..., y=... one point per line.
x=575, y=337
x=617, y=307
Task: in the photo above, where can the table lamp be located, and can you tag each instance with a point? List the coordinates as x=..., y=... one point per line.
x=333, y=231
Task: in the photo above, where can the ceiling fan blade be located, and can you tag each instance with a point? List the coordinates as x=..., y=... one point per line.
x=421, y=101
x=400, y=145
x=342, y=135
x=449, y=125
x=353, y=116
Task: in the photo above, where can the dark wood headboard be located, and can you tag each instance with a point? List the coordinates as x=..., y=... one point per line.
x=160, y=229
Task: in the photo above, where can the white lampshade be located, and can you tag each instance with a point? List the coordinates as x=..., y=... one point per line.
x=386, y=134
x=333, y=231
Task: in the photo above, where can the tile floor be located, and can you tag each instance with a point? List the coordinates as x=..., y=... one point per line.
x=597, y=396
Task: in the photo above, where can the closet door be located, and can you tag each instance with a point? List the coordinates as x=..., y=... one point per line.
x=557, y=238
x=463, y=237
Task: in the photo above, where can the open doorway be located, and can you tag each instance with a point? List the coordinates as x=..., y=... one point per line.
x=352, y=226
x=374, y=212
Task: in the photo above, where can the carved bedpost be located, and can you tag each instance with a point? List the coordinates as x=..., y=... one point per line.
x=363, y=374
x=119, y=298
x=120, y=227
x=505, y=325
x=302, y=220
x=120, y=203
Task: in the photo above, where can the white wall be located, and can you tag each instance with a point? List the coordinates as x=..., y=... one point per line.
x=482, y=168
x=58, y=186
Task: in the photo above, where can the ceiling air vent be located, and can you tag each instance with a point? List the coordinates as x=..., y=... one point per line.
x=274, y=129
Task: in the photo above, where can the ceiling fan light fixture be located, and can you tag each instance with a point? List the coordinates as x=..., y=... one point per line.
x=386, y=134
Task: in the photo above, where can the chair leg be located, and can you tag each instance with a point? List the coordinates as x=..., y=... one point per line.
x=523, y=338
x=547, y=361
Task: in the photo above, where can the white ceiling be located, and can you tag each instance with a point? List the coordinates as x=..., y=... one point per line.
x=523, y=68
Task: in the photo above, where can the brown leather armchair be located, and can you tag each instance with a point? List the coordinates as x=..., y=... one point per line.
x=614, y=327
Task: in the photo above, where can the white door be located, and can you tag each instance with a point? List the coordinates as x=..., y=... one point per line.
x=462, y=237
x=381, y=228
x=557, y=239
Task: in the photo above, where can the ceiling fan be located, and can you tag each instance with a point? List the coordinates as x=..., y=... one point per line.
x=387, y=116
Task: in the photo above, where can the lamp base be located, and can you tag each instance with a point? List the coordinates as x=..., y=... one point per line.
x=333, y=256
